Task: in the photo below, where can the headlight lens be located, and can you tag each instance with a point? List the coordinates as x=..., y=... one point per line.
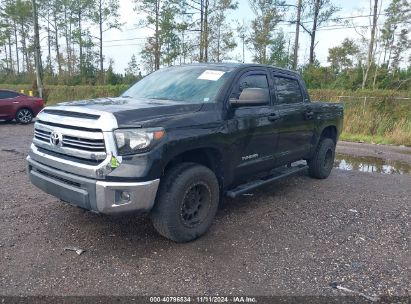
x=133, y=141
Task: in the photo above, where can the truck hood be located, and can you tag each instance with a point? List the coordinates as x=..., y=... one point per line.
x=129, y=111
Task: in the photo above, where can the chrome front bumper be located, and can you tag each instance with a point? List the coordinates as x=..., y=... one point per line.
x=96, y=195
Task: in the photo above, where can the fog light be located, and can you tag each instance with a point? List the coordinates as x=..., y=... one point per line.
x=125, y=196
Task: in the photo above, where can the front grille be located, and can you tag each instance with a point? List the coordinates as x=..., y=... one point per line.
x=42, y=135
x=86, y=144
x=74, y=142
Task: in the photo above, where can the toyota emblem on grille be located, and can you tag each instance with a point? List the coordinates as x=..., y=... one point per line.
x=55, y=138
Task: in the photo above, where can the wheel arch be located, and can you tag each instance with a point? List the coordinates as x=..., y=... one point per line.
x=331, y=132
x=209, y=157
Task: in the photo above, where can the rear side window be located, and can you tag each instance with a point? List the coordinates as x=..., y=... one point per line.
x=7, y=94
x=288, y=90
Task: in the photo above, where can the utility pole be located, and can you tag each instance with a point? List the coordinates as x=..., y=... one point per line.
x=297, y=34
x=39, y=68
x=288, y=53
x=205, y=30
x=241, y=31
x=184, y=50
x=201, y=30
x=243, y=37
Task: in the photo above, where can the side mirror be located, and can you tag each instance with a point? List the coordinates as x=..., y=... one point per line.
x=251, y=97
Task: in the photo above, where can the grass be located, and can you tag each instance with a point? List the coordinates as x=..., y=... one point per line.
x=379, y=119
x=386, y=122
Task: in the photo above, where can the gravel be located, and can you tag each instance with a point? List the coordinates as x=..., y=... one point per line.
x=293, y=237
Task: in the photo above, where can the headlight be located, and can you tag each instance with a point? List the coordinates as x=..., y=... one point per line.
x=133, y=141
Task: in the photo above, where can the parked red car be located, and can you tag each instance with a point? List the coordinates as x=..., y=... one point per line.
x=18, y=106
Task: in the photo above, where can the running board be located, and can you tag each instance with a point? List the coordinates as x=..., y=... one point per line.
x=275, y=175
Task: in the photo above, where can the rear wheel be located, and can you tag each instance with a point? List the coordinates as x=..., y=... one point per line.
x=321, y=164
x=187, y=202
x=24, y=116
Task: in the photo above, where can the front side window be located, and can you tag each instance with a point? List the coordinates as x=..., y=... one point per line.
x=187, y=84
x=288, y=90
x=253, y=81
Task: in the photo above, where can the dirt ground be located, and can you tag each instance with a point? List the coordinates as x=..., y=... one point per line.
x=293, y=237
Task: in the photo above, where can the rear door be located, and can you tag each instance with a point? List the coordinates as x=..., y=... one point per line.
x=296, y=118
x=252, y=128
x=8, y=101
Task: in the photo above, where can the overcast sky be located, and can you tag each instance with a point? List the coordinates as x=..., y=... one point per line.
x=121, y=45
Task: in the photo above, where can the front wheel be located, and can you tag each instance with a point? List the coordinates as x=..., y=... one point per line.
x=24, y=116
x=321, y=164
x=187, y=202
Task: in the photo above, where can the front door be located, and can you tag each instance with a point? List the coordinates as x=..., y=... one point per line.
x=252, y=129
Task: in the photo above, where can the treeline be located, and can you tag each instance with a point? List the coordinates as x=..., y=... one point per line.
x=184, y=31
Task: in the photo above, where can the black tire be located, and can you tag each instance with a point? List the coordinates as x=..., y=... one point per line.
x=24, y=116
x=187, y=202
x=321, y=164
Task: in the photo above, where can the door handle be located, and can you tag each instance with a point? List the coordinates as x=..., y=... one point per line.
x=273, y=117
x=309, y=115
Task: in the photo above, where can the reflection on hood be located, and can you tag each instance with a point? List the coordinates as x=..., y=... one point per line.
x=98, y=101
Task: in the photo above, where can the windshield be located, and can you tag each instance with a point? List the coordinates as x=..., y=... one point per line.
x=188, y=84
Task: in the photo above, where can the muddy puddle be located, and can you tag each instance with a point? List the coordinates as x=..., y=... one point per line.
x=370, y=164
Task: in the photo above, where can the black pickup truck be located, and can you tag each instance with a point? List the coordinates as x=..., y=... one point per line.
x=180, y=139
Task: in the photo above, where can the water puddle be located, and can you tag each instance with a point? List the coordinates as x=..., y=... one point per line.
x=370, y=164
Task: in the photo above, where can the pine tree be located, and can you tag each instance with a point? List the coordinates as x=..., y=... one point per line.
x=105, y=15
x=262, y=27
x=221, y=35
x=132, y=72
x=280, y=55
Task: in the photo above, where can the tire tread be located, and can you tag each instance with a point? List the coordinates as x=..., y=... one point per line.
x=161, y=213
x=315, y=164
